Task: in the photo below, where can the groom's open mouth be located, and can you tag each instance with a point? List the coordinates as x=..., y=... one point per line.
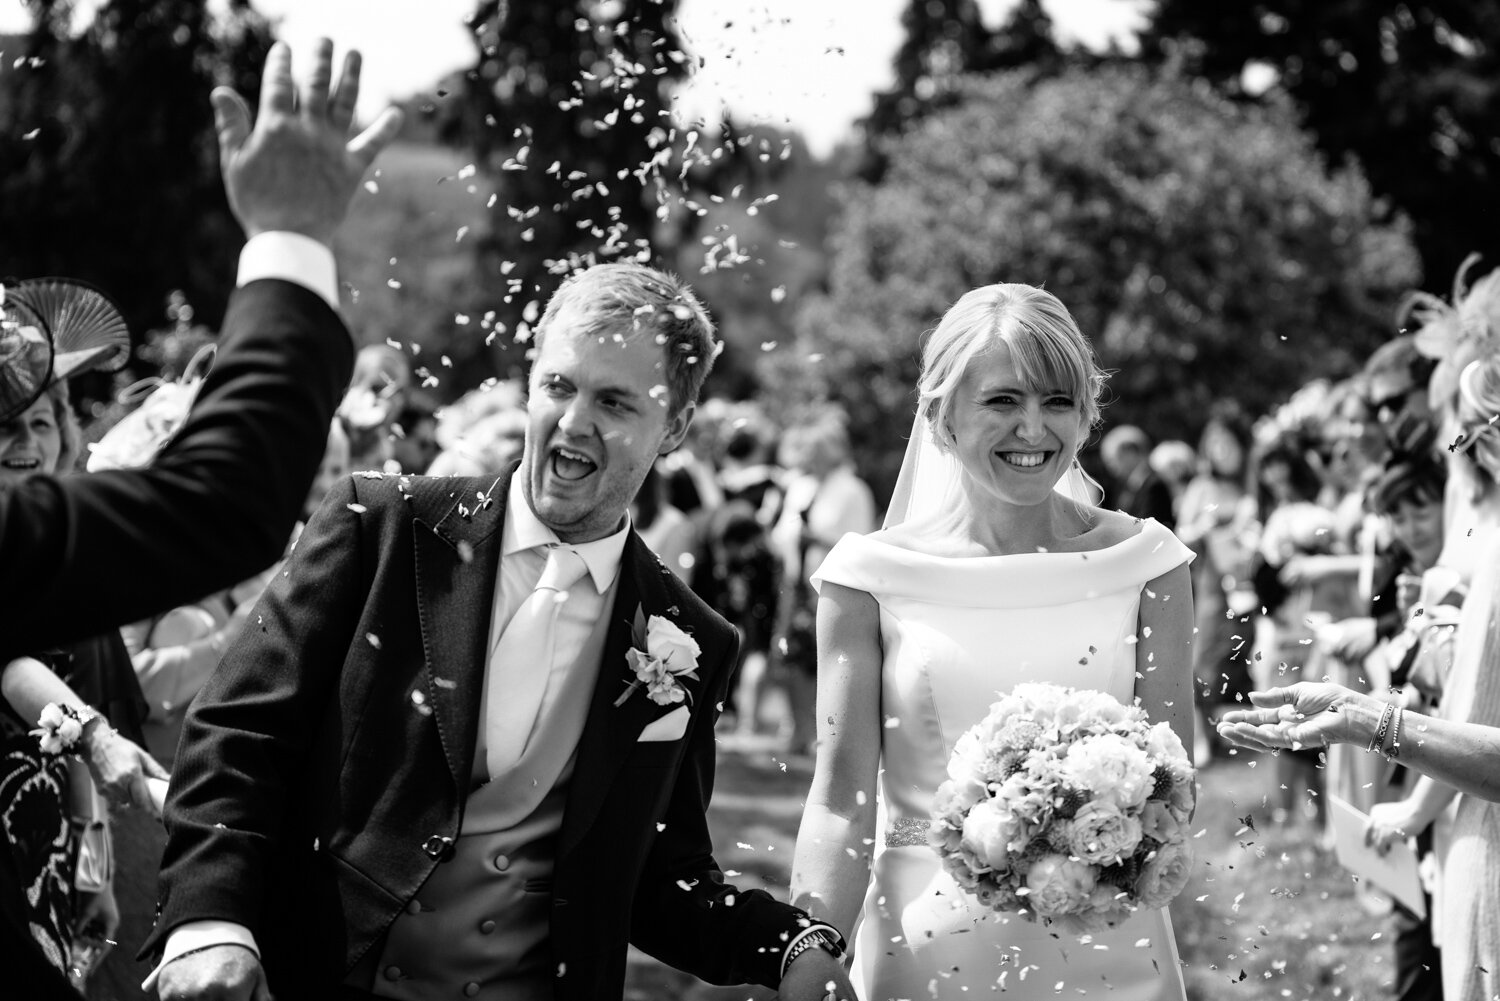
x=571, y=465
x=1024, y=460
x=22, y=465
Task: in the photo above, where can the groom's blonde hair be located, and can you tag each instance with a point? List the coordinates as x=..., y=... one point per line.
x=625, y=298
x=1049, y=351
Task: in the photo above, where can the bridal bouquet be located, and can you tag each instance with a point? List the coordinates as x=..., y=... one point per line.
x=1064, y=805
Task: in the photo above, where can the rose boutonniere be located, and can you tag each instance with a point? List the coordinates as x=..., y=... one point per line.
x=662, y=656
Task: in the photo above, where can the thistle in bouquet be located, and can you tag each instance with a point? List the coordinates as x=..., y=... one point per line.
x=1065, y=806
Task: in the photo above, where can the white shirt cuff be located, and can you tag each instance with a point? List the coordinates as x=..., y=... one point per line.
x=195, y=935
x=291, y=257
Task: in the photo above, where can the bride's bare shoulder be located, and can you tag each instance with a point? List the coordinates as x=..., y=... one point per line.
x=1108, y=528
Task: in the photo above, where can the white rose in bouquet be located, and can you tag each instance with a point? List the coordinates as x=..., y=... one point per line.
x=1111, y=765
x=1059, y=885
x=1101, y=832
x=1164, y=874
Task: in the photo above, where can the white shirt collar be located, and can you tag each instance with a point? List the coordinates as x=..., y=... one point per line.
x=523, y=531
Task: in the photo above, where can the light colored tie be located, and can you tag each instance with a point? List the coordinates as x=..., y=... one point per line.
x=522, y=662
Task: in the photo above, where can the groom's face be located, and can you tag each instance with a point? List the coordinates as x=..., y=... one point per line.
x=597, y=418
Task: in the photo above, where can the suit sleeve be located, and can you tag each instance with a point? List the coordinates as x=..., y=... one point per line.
x=686, y=914
x=82, y=554
x=247, y=737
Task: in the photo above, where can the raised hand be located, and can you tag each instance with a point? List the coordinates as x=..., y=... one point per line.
x=121, y=768
x=296, y=170
x=1307, y=714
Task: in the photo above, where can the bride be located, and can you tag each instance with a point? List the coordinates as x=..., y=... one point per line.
x=985, y=576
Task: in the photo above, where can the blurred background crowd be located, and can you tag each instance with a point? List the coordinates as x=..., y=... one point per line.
x=1258, y=244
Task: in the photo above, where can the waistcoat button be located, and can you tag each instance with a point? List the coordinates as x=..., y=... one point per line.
x=486, y=926
x=502, y=863
x=393, y=973
x=470, y=989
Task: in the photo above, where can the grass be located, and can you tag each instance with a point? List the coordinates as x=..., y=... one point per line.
x=1268, y=916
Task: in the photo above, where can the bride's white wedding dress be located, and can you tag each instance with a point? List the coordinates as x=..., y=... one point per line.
x=957, y=633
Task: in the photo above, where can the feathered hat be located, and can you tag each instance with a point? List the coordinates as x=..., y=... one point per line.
x=52, y=329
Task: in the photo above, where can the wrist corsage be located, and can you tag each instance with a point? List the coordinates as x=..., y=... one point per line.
x=60, y=727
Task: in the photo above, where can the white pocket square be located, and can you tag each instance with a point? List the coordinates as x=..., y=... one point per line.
x=669, y=727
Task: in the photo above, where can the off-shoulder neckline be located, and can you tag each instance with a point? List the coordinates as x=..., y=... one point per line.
x=1143, y=525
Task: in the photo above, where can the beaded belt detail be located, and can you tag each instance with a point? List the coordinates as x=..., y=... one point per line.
x=905, y=832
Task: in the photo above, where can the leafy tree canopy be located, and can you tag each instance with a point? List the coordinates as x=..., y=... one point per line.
x=1411, y=89
x=1202, y=245
x=108, y=164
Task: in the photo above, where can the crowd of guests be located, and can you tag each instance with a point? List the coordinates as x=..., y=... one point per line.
x=1348, y=535
x=1367, y=531
x=1318, y=528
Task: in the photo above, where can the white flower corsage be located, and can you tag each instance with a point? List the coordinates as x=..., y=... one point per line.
x=60, y=728
x=669, y=655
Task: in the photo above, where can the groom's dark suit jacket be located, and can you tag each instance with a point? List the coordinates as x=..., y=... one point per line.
x=331, y=753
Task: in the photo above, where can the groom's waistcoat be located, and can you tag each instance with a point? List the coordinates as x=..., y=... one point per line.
x=478, y=928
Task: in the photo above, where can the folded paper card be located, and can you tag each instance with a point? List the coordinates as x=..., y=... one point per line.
x=1395, y=872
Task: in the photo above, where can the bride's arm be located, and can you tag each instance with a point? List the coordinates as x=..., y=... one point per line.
x=1164, y=652
x=831, y=866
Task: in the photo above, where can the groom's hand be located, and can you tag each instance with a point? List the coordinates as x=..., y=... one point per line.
x=1307, y=714
x=218, y=973
x=815, y=976
x=296, y=170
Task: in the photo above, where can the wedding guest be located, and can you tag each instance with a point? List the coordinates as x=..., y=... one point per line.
x=740, y=580
x=746, y=470
x=1452, y=751
x=1212, y=522
x=55, y=830
x=1126, y=452
x=1174, y=463
x=217, y=503
x=377, y=392
x=1396, y=378
x=825, y=500
x=514, y=804
x=487, y=446
x=984, y=577
x=1418, y=649
x=414, y=435
x=667, y=532
x=1293, y=526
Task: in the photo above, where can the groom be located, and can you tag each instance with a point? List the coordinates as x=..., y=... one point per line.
x=428, y=769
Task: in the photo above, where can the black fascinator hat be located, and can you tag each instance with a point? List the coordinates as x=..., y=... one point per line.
x=53, y=329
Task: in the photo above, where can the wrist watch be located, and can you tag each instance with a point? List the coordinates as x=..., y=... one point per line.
x=822, y=937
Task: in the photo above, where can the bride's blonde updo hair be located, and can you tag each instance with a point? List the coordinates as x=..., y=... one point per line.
x=1479, y=416
x=1049, y=351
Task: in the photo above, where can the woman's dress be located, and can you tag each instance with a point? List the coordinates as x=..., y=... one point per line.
x=956, y=634
x=1467, y=904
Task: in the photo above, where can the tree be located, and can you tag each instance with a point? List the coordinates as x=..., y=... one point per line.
x=566, y=110
x=1410, y=89
x=108, y=163
x=1202, y=245
x=944, y=40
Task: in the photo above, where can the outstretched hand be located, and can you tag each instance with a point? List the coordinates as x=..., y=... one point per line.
x=121, y=770
x=296, y=170
x=1307, y=714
